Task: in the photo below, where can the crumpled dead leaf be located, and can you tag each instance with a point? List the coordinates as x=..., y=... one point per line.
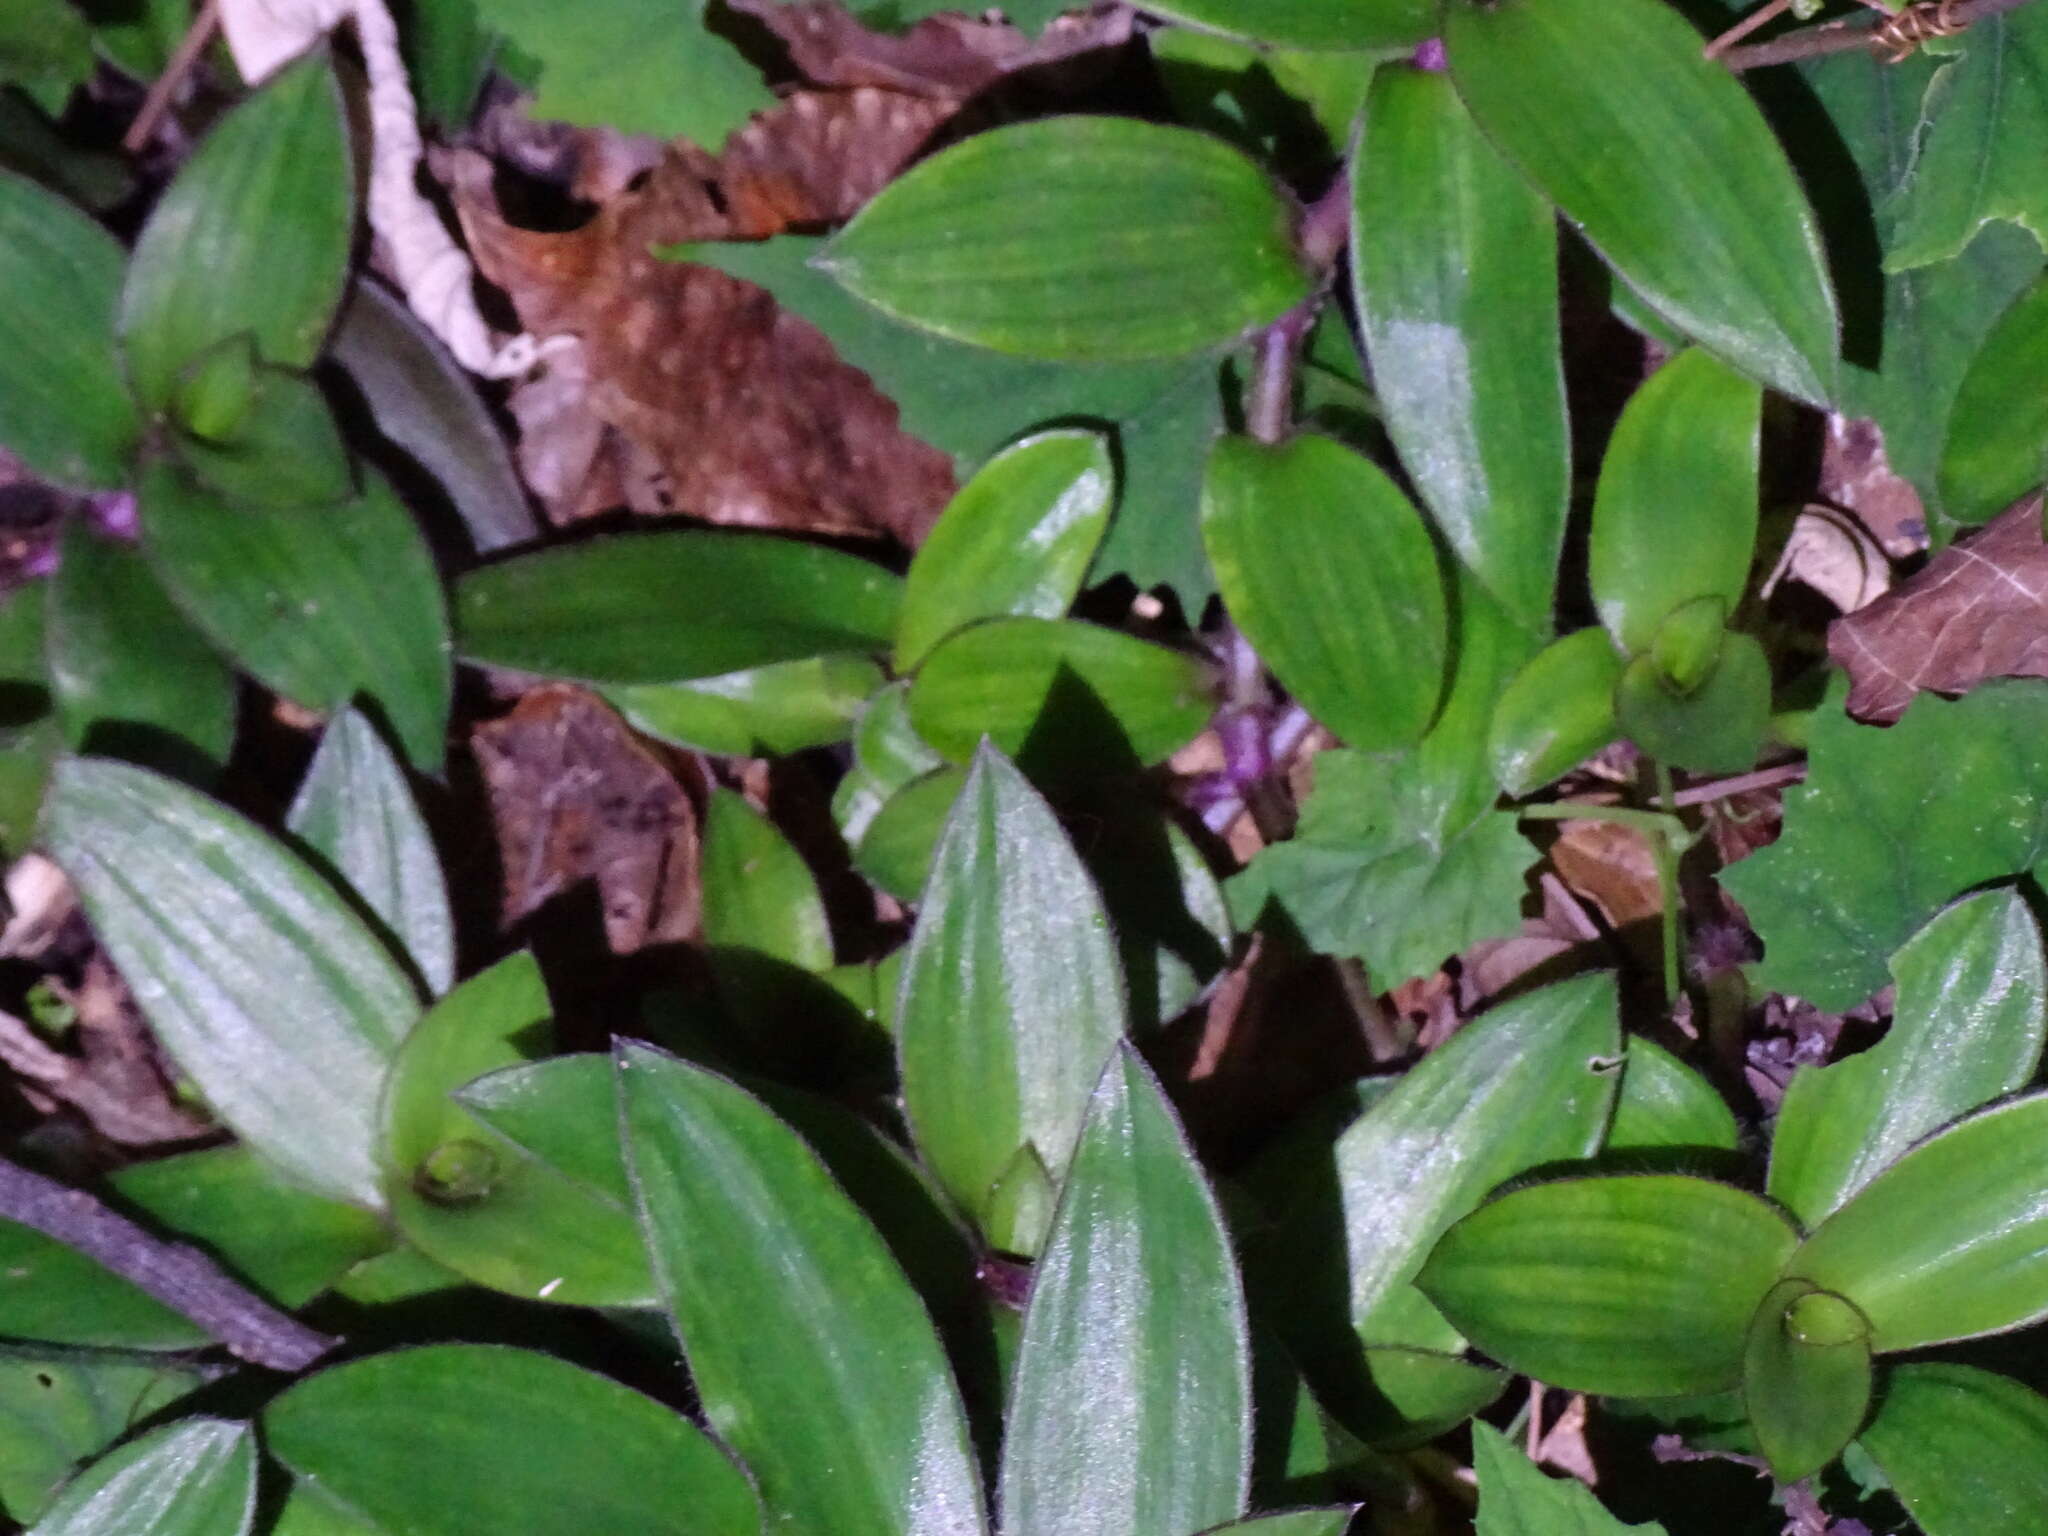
x=1976, y=611
x=576, y=796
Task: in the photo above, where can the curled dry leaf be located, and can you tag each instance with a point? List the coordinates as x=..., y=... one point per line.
x=576, y=796
x=1856, y=473
x=1976, y=611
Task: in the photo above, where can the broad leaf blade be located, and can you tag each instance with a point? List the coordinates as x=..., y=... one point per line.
x=1665, y=1103
x=1997, y=447
x=1716, y=728
x=784, y=707
x=1558, y=711
x=1806, y=1387
x=196, y=1477
x=1964, y=1449
x=272, y=995
x=67, y=1407
x=1130, y=1413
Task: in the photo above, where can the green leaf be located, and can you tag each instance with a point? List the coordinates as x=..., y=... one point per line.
x=253, y=235
x=665, y=607
x=1980, y=112
x=1717, y=728
x=1517, y=1499
x=1997, y=448
x=478, y=1439
x=325, y=605
x=64, y=407
x=1950, y=1241
x=1638, y=1286
x=1011, y=994
x=426, y=403
x=678, y=77
x=1130, y=1410
x=1665, y=1103
x=1889, y=825
x=1331, y=574
x=1334, y=1521
x=128, y=674
x=895, y=852
x=1166, y=908
x=1965, y=1450
x=1968, y=1027
x=262, y=983
x=1558, y=711
x=355, y=810
x=758, y=892
x=58, y=1408
x=784, y=707
x=887, y=755
x=45, y=49
x=1346, y=24
x=1805, y=1377
x=1017, y=539
x=1680, y=472
x=1661, y=157
x=196, y=1477
x=1078, y=239
x=1454, y=262
x=1059, y=695
x=810, y=1352
x=285, y=451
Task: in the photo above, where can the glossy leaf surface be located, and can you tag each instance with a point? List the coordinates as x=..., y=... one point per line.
x=895, y=851
x=1805, y=1378
x=786, y=706
x=1558, y=711
x=1965, y=1450
x=758, y=892
x=1997, y=447
x=196, y=1477
x=1665, y=1103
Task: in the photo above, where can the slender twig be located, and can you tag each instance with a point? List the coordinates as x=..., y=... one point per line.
x=1755, y=19
x=180, y=64
x=182, y=1278
x=1741, y=784
x=1846, y=36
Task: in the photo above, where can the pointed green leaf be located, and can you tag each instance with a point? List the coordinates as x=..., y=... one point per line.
x=896, y=850
x=1017, y=539
x=1639, y=1286
x=1454, y=262
x=1968, y=1027
x=1950, y=1241
x=759, y=893
x=1965, y=1450
x=64, y=407
x=1329, y=571
x=196, y=1477
x=253, y=235
x=1018, y=1209
x=324, y=604
x=810, y=1352
x=1662, y=158
x=1718, y=727
x=285, y=451
x=1557, y=712
x=784, y=707
x=1078, y=238
x=1130, y=1412
x=1997, y=447
x=356, y=811
x=64, y=1407
x=887, y=755
x=262, y=983
x=478, y=1440
x=1805, y=1377
x=1516, y=1498
x=1680, y=472
x=1665, y=1103
x=1004, y=1020
x=45, y=50
x=664, y=607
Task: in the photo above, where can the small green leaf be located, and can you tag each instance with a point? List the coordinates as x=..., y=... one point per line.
x=1017, y=539
x=1346, y=24
x=1130, y=1412
x=1968, y=1027
x=1997, y=447
x=1662, y=158
x=1060, y=696
x=268, y=990
x=665, y=607
x=1517, y=1499
x=1688, y=643
x=214, y=393
x=1454, y=262
x=784, y=707
x=1557, y=712
x=284, y=452
x=1004, y=1022
x=1330, y=572
x=64, y=407
x=196, y=1477
x=478, y=1440
x=1965, y=1450
x=1680, y=473
x=758, y=892
x=1665, y=1103
x=1639, y=1286
x=65, y=1407
x=1017, y=1211
x=809, y=1350
x=895, y=852
x=1717, y=728
x=356, y=811
x=253, y=235
x=1805, y=1377
x=1078, y=239
x=887, y=755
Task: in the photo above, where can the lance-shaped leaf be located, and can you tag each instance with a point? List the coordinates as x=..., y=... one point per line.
x=1130, y=1410
x=1011, y=996
x=1950, y=1241
x=1516, y=1497
x=787, y=706
x=1099, y=239
x=1329, y=570
x=468, y=1439
x=1968, y=1027
x=1997, y=447
x=759, y=893
x=196, y=1477
x=252, y=236
x=1558, y=711
x=1662, y=158
x=1639, y=1286
x=64, y=407
x=355, y=810
x=1805, y=1377
x=259, y=979
x=1965, y=1450
x=810, y=1352
x=1017, y=539
x=664, y=607
x=1454, y=262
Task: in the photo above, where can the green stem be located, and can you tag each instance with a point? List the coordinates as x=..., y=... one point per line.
x=1666, y=854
